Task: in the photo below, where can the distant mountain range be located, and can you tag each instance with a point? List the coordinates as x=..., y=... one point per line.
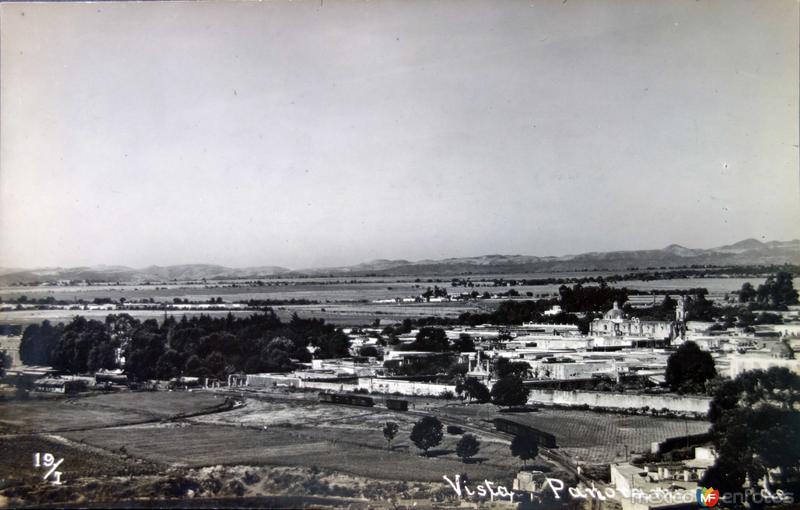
x=747, y=252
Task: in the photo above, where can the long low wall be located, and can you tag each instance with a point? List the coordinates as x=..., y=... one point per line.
x=391, y=386
x=675, y=403
x=370, y=384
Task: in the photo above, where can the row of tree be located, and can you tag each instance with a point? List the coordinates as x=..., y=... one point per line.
x=776, y=293
x=428, y=433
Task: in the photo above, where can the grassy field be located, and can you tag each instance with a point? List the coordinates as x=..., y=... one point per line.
x=17, y=454
x=299, y=447
x=280, y=433
x=112, y=409
x=343, y=289
x=352, y=314
x=591, y=436
x=357, y=451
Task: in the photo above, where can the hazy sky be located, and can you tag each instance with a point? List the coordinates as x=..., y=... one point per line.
x=327, y=132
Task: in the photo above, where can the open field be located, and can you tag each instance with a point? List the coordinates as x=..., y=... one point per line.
x=350, y=451
x=340, y=301
x=302, y=433
x=25, y=317
x=112, y=409
x=341, y=313
x=591, y=436
x=80, y=460
x=318, y=449
x=339, y=289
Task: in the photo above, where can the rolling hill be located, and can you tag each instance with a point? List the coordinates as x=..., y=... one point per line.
x=746, y=252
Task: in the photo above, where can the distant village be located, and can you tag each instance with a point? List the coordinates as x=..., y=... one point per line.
x=620, y=365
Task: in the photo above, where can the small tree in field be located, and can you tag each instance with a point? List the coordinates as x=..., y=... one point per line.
x=525, y=446
x=390, y=432
x=468, y=446
x=427, y=433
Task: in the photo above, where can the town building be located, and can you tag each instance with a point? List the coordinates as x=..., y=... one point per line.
x=614, y=323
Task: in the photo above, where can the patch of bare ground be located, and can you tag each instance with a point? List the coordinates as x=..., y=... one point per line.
x=107, y=410
x=228, y=485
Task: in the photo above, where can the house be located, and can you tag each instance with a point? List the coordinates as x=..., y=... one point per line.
x=60, y=385
x=661, y=485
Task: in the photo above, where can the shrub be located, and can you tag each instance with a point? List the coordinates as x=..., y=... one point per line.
x=251, y=478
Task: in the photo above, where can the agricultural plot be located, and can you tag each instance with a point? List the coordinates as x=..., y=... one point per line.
x=80, y=460
x=25, y=317
x=112, y=409
x=260, y=413
x=352, y=451
x=602, y=438
x=585, y=435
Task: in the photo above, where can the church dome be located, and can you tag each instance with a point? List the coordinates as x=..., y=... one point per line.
x=614, y=313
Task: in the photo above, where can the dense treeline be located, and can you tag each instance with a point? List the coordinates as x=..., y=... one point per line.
x=577, y=299
x=198, y=346
x=123, y=302
x=581, y=304
x=755, y=429
x=777, y=293
x=754, y=308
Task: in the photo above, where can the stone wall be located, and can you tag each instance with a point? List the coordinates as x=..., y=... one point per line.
x=391, y=386
x=370, y=384
x=597, y=399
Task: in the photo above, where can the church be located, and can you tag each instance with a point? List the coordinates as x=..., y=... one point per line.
x=614, y=323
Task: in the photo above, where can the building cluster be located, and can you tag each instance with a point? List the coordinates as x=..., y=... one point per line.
x=661, y=485
x=556, y=357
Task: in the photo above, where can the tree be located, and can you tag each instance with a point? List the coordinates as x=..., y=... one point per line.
x=427, y=433
x=504, y=368
x=102, y=355
x=333, y=345
x=85, y=345
x=689, y=368
x=38, y=342
x=747, y=293
x=275, y=357
x=778, y=291
x=368, y=351
x=147, y=344
x=509, y=391
x=5, y=362
x=430, y=339
x=468, y=446
x=215, y=365
x=464, y=343
x=699, y=308
x=194, y=366
x=169, y=365
x=525, y=446
x=390, y=432
x=755, y=428
x=474, y=389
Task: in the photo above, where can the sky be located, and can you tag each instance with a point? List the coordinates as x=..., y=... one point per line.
x=331, y=132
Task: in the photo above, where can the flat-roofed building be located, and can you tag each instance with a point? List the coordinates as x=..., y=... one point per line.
x=747, y=362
